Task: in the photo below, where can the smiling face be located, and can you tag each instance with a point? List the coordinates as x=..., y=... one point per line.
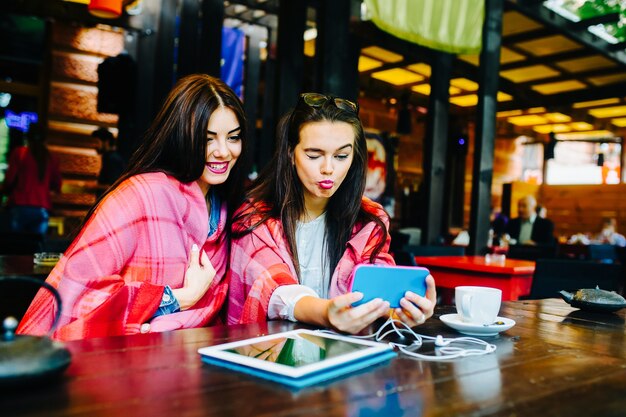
x=322, y=159
x=223, y=147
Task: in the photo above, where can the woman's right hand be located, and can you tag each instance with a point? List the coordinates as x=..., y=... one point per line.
x=345, y=318
x=198, y=278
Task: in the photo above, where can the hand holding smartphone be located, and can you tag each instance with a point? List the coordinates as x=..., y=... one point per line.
x=388, y=282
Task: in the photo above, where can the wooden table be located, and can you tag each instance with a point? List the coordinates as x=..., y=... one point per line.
x=514, y=277
x=556, y=361
x=22, y=265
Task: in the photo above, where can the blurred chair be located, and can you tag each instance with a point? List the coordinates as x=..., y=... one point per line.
x=398, y=241
x=603, y=253
x=531, y=253
x=14, y=243
x=415, y=235
x=15, y=297
x=554, y=275
x=404, y=258
x=435, y=250
x=56, y=245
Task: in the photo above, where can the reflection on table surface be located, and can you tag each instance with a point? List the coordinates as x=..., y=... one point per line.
x=556, y=361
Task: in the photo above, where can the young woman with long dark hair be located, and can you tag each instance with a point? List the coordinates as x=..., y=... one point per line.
x=153, y=252
x=306, y=225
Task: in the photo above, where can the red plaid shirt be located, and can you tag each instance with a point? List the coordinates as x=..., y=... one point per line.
x=112, y=277
x=260, y=262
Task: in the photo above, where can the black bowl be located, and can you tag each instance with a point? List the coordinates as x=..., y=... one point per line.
x=591, y=306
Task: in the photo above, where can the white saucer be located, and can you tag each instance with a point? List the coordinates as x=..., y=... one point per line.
x=454, y=321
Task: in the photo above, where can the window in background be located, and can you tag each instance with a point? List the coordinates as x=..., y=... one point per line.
x=584, y=163
x=532, y=160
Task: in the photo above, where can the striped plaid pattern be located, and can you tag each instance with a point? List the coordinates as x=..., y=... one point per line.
x=112, y=277
x=261, y=261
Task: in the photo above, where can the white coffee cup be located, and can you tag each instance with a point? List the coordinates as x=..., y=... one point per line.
x=478, y=305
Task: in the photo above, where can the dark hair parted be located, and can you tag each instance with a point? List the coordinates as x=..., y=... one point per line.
x=281, y=191
x=176, y=142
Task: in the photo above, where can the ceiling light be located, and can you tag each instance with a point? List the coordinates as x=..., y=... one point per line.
x=548, y=45
x=558, y=87
x=592, y=134
x=397, y=76
x=530, y=73
x=620, y=122
x=420, y=68
x=465, y=101
x=504, y=96
x=464, y=83
x=594, y=103
x=367, y=63
x=556, y=128
x=604, y=112
x=527, y=120
x=557, y=117
x=581, y=126
x=425, y=89
x=508, y=113
x=382, y=54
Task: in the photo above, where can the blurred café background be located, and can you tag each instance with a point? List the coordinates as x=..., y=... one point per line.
x=468, y=106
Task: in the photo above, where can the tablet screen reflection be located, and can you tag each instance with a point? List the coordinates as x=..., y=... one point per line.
x=299, y=350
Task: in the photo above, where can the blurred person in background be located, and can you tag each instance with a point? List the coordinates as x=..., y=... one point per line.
x=32, y=175
x=608, y=234
x=529, y=228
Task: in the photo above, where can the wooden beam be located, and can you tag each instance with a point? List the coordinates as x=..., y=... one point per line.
x=579, y=34
x=209, y=53
x=290, y=58
x=485, y=127
x=251, y=89
x=435, y=149
x=336, y=52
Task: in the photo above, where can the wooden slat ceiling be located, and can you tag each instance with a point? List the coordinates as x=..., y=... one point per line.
x=541, y=66
x=547, y=68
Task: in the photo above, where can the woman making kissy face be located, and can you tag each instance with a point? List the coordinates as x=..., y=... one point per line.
x=306, y=225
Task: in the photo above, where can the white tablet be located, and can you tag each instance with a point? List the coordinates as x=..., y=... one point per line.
x=299, y=357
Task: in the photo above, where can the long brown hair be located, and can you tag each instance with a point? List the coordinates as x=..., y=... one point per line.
x=280, y=190
x=176, y=142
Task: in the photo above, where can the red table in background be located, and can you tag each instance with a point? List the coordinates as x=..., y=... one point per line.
x=514, y=277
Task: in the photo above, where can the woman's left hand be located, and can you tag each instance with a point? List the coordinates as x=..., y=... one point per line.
x=416, y=309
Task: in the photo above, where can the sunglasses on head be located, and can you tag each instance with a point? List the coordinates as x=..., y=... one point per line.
x=319, y=100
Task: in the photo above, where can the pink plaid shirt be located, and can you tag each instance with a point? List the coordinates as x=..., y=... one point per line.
x=112, y=277
x=261, y=261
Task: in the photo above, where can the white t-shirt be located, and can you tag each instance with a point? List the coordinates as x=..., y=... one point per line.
x=314, y=273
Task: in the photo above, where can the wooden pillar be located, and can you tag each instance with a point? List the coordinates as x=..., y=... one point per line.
x=290, y=53
x=162, y=64
x=154, y=69
x=265, y=146
x=251, y=89
x=210, y=44
x=485, y=126
x=189, y=31
x=435, y=148
x=336, y=51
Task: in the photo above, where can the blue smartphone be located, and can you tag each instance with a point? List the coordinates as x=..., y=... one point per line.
x=388, y=282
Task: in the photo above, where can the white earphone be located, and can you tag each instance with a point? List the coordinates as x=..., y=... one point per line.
x=443, y=348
